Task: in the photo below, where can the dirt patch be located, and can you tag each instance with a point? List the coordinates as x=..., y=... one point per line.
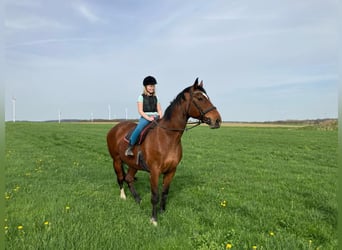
x=261, y=125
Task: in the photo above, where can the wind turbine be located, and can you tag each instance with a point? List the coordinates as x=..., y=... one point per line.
x=109, y=111
x=13, y=107
x=59, y=116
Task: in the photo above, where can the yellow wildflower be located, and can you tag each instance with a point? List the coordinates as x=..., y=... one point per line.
x=229, y=246
x=271, y=233
x=254, y=247
x=20, y=227
x=46, y=223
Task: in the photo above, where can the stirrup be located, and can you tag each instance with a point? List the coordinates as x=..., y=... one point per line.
x=128, y=151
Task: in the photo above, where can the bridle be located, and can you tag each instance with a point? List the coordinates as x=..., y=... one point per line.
x=201, y=111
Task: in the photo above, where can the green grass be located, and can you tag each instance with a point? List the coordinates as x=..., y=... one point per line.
x=273, y=188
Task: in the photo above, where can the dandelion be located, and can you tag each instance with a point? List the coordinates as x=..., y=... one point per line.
x=271, y=233
x=223, y=203
x=20, y=227
x=46, y=223
x=229, y=246
x=254, y=247
x=67, y=208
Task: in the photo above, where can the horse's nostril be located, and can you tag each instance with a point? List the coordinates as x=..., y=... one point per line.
x=217, y=123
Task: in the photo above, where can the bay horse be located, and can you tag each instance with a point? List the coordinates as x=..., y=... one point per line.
x=161, y=150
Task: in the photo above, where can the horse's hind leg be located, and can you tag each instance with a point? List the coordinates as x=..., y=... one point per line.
x=120, y=175
x=130, y=181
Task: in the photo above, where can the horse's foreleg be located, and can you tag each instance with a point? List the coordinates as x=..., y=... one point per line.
x=130, y=181
x=165, y=191
x=154, y=197
x=120, y=174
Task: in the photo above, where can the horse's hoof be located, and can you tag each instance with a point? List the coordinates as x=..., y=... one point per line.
x=154, y=222
x=122, y=194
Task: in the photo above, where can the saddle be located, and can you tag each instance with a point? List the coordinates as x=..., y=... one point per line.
x=140, y=159
x=142, y=135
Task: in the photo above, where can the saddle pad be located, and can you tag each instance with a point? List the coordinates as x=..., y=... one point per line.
x=143, y=133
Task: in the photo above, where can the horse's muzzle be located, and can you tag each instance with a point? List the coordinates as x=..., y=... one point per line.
x=216, y=123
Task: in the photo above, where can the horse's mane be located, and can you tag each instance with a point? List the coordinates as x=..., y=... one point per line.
x=177, y=101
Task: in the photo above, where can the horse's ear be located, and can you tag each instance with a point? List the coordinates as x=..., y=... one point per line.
x=201, y=84
x=196, y=83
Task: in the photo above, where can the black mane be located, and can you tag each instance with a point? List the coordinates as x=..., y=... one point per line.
x=177, y=101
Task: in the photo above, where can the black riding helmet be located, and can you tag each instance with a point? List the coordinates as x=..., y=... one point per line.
x=149, y=80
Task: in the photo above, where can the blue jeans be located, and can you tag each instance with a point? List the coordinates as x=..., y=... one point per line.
x=140, y=127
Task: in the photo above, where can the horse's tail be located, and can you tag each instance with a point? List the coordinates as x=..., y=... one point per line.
x=111, y=141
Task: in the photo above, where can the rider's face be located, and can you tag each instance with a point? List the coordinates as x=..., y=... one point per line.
x=150, y=88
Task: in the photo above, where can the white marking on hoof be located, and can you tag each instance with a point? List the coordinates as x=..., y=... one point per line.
x=122, y=194
x=154, y=222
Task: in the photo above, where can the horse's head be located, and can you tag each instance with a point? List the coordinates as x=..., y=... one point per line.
x=200, y=106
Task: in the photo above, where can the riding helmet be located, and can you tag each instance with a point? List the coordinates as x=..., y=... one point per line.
x=149, y=80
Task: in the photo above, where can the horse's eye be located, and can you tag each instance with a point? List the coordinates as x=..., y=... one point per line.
x=200, y=98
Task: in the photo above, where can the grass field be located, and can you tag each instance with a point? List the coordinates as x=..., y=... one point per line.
x=235, y=188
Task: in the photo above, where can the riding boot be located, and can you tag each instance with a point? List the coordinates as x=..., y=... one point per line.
x=129, y=151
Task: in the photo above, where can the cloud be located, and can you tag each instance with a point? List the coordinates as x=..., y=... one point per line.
x=45, y=41
x=24, y=3
x=34, y=23
x=87, y=13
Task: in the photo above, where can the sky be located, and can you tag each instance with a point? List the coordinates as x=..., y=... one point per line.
x=260, y=60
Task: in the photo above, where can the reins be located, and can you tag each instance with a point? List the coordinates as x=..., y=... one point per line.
x=179, y=129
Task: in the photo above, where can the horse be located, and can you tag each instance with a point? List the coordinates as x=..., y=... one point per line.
x=161, y=151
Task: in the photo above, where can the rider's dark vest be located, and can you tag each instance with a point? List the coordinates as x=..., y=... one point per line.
x=150, y=103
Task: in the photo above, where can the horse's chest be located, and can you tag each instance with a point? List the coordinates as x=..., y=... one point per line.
x=172, y=159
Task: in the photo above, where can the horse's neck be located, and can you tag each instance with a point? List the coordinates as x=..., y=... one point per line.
x=178, y=120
